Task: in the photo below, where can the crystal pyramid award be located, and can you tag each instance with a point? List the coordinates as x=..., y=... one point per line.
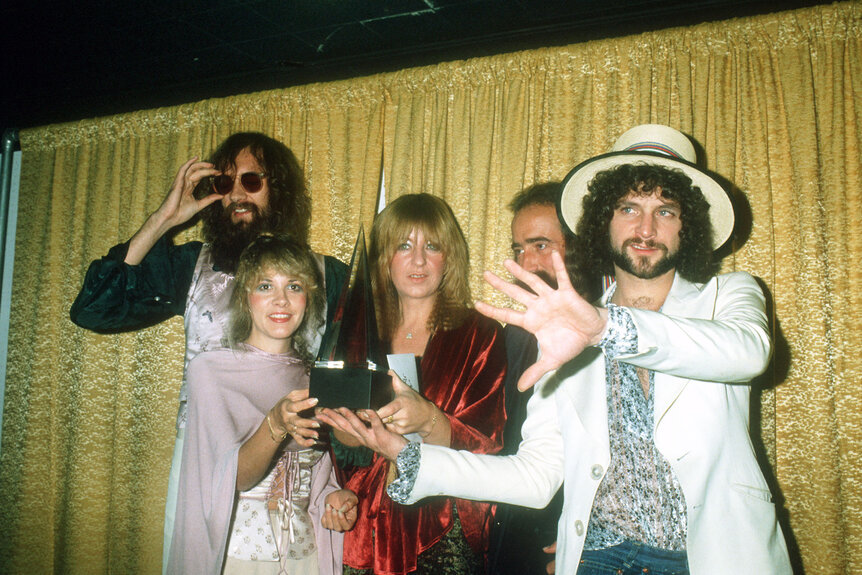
x=351, y=368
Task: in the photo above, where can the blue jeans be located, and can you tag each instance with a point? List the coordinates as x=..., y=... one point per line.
x=630, y=558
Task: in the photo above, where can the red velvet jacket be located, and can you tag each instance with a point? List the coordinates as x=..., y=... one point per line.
x=462, y=372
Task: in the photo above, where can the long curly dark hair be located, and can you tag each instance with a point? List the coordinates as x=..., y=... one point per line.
x=289, y=210
x=593, y=255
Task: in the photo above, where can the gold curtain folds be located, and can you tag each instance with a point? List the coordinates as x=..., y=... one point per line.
x=773, y=102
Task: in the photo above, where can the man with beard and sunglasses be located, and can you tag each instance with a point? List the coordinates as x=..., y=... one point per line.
x=252, y=184
x=641, y=401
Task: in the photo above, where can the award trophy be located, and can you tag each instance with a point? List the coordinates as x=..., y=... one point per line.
x=351, y=368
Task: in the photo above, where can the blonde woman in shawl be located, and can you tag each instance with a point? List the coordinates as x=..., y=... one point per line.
x=258, y=494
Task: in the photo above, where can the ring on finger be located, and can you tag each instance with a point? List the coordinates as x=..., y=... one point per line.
x=390, y=419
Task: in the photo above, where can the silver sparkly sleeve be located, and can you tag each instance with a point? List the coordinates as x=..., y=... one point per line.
x=407, y=464
x=621, y=337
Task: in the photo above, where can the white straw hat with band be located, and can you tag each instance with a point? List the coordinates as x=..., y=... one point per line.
x=652, y=144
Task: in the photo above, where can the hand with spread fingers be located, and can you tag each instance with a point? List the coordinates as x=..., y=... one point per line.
x=285, y=417
x=563, y=322
x=409, y=412
x=341, y=508
x=366, y=427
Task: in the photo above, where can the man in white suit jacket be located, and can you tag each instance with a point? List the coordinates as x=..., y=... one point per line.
x=642, y=402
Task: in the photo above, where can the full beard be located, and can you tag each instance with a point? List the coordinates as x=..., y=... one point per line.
x=230, y=238
x=641, y=267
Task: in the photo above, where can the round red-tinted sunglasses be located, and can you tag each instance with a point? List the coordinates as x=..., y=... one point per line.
x=251, y=182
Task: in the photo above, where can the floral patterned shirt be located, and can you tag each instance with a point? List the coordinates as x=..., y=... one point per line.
x=639, y=498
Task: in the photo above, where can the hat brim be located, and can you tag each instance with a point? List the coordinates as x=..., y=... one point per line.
x=575, y=188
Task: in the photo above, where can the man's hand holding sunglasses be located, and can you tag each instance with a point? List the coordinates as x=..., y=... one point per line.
x=181, y=205
x=178, y=207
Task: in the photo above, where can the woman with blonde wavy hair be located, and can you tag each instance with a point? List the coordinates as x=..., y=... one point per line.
x=257, y=492
x=420, y=268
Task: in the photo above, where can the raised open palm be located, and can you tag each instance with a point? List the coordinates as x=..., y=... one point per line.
x=563, y=322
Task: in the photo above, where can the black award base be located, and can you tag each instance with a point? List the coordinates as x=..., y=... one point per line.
x=351, y=387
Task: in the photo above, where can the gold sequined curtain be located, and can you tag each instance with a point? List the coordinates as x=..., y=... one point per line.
x=772, y=101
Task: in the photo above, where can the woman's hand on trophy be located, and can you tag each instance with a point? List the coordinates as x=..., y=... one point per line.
x=286, y=416
x=366, y=427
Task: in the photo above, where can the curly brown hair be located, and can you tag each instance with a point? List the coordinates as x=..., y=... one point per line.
x=437, y=221
x=594, y=255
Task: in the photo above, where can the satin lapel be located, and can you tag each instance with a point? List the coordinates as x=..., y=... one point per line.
x=587, y=388
x=684, y=301
x=667, y=390
x=583, y=383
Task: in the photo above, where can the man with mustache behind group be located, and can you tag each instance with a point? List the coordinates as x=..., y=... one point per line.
x=252, y=184
x=522, y=538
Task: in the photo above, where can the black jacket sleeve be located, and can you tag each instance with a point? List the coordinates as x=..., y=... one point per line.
x=118, y=297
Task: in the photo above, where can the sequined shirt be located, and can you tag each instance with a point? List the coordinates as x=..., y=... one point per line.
x=639, y=498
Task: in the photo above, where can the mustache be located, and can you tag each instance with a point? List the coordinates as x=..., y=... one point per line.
x=253, y=208
x=652, y=244
x=545, y=277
